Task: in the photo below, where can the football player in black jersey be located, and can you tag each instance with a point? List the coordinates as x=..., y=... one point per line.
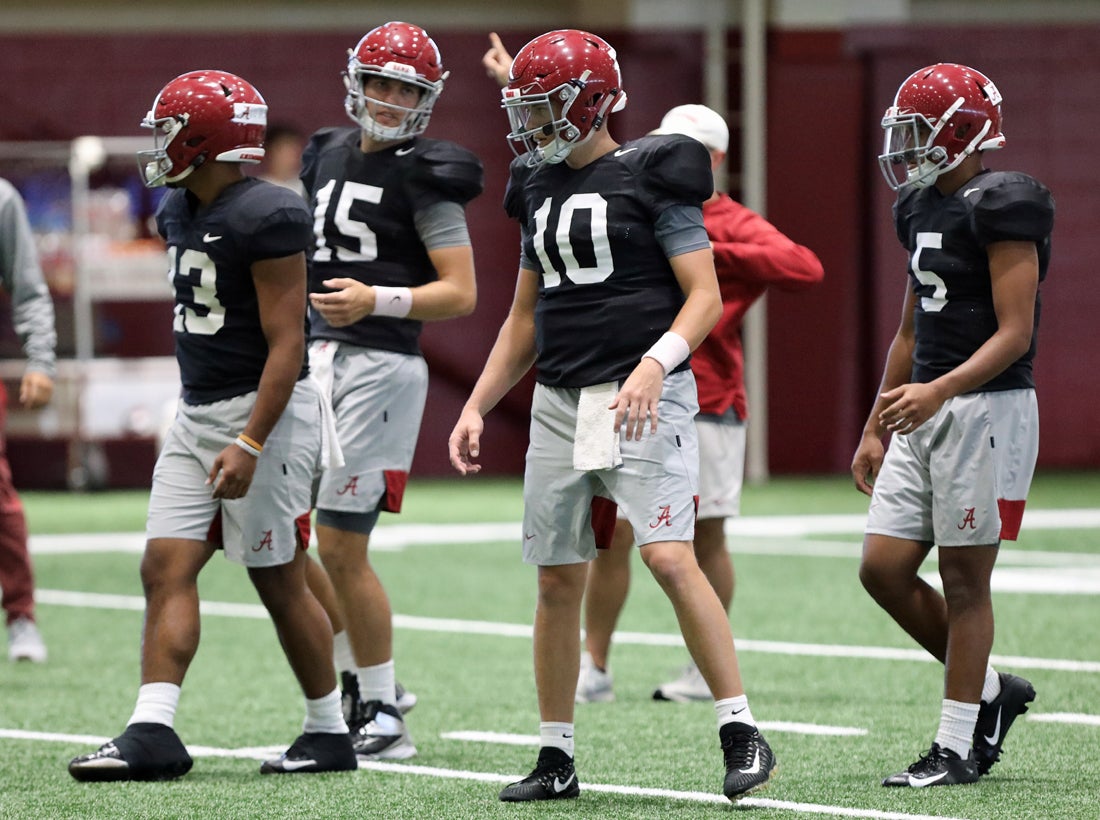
x=391, y=251
x=958, y=397
x=616, y=286
x=237, y=467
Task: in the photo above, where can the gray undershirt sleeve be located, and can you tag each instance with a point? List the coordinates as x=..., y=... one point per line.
x=442, y=225
x=21, y=276
x=680, y=229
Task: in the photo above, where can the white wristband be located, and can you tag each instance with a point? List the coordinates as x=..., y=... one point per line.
x=669, y=351
x=396, y=302
x=247, y=447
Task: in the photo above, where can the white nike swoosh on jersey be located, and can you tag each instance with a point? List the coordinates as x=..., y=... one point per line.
x=209, y=237
x=559, y=786
x=400, y=152
x=926, y=781
x=969, y=191
x=755, y=767
x=992, y=739
x=622, y=151
x=295, y=765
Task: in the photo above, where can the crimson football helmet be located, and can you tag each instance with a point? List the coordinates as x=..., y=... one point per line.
x=200, y=116
x=561, y=85
x=397, y=51
x=941, y=115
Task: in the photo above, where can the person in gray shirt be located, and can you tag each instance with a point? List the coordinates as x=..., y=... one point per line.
x=33, y=320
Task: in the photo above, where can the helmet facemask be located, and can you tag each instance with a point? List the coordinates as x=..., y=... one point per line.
x=413, y=120
x=154, y=163
x=941, y=115
x=527, y=107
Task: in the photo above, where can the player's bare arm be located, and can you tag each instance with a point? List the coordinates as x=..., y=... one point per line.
x=511, y=357
x=280, y=290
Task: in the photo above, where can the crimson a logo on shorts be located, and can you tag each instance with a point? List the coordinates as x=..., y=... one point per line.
x=351, y=487
x=266, y=541
x=664, y=516
x=968, y=519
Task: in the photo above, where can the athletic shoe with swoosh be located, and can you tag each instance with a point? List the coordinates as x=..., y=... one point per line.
x=939, y=767
x=314, y=752
x=749, y=759
x=996, y=717
x=553, y=778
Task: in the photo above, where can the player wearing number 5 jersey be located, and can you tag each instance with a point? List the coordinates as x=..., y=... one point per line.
x=616, y=285
x=392, y=250
x=238, y=464
x=958, y=396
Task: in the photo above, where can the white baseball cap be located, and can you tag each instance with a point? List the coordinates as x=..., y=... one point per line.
x=698, y=122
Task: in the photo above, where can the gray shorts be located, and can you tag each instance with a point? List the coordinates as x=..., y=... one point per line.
x=962, y=477
x=721, y=464
x=271, y=522
x=378, y=398
x=656, y=486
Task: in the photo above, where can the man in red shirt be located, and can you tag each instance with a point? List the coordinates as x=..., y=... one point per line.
x=750, y=255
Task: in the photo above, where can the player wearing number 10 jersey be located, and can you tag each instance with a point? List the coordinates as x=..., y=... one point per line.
x=392, y=250
x=616, y=286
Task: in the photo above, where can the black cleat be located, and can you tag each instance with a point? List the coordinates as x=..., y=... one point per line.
x=378, y=732
x=144, y=751
x=995, y=718
x=349, y=696
x=749, y=759
x=554, y=778
x=314, y=752
x=939, y=767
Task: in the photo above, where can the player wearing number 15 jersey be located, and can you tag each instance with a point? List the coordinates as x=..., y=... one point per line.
x=958, y=396
x=616, y=286
x=392, y=250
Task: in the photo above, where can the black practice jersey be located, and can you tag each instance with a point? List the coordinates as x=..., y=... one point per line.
x=220, y=343
x=607, y=291
x=947, y=239
x=363, y=206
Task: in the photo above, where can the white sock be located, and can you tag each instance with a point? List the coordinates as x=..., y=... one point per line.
x=992, y=686
x=734, y=710
x=558, y=735
x=156, y=703
x=324, y=715
x=957, y=722
x=341, y=652
x=377, y=683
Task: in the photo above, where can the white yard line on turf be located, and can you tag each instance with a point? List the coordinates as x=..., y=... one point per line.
x=135, y=603
x=1066, y=717
x=780, y=726
x=263, y=752
x=399, y=536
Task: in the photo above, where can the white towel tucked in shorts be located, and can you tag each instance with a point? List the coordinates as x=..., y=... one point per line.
x=596, y=444
x=321, y=356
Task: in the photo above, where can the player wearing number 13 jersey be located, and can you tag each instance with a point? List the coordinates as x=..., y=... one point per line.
x=238, y=463
x=391, y=251
x=957, y=394
x=616, y=286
